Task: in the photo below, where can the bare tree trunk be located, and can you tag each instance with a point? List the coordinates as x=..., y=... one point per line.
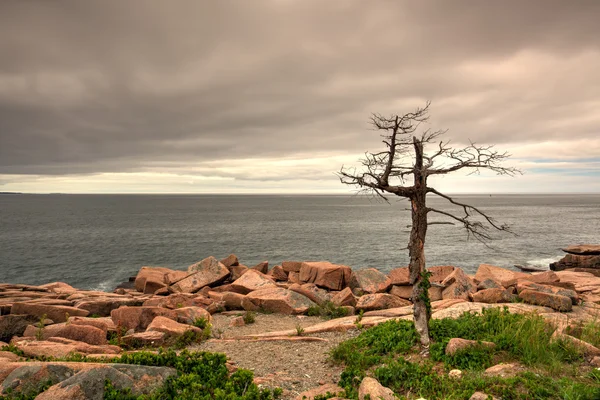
x=420, y=295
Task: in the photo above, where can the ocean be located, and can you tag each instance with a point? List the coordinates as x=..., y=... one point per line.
x=98, y=241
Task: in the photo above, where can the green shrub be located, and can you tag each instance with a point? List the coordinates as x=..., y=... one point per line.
x=249, y=317
x=327, y=310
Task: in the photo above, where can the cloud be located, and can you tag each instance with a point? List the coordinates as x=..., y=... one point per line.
x=202, y=88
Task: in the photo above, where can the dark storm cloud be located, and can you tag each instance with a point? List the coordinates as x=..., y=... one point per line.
x=101, y=86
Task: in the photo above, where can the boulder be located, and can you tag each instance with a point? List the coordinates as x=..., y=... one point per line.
x=380, y=301
x=170, y=328
x=293, y=277
x=325, y=274
x=102, y=306
x=457, y=344
x=29, y=378
x=503, y=370
x=230, y=261
x=175, y=276
x=59, y=288
x=440, y=272
x=55, y=313
x=278, y=273
x=458, y=285
x=208, y=272
x=546, y=277
x=504, y=276
x=82, y=333
x=178, y=300
x=554, y=301
x=571, y=294
x=14, y=325
x=344, y=298
x=399, y=276
x=154, y=277
x=583, y=249
x=489, y=284
x=576, y=261
x=189, y=315
x=291, y=266
x=143, y=339
x=262, y=267
x=233, y=301
x=371, y=389
x=105, y=324
x=89, y=383
x=279, y=300
x=138, y=318
x=237, y=271
x=369, y=280
x=252, y=280
x=494, y=295
x=312, y=291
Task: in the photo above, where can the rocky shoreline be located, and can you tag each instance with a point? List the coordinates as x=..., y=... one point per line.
x=162, y=305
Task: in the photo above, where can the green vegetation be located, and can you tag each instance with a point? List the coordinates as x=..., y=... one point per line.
x=327, y=310
x=380, y=351
x=201, y=375
x=249, y=317
x=39, y=333
x=299, y=330
x=27, y=395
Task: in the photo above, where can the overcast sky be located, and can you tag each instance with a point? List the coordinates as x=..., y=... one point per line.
x=275, y=95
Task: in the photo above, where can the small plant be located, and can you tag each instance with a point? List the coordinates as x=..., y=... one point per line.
x=67, y=316
x=115, y=337
x=299, y=330
x=358, y=319
x=95, y=316
x=189, y=337
x=201, y=323
x=179, y=305
x=13, y=349
x=249, y=317
x=39, y=334
x=327, y=310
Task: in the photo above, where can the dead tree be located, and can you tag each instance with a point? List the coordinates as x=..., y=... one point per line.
x=388, y=173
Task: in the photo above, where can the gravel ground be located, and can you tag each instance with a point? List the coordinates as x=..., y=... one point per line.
x=293, y=366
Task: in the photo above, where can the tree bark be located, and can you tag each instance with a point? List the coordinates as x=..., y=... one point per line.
x=416, y=248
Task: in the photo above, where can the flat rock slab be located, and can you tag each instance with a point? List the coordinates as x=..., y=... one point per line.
x=583, y=249
x=55, y=313
x=280, y=300
x=58, y=349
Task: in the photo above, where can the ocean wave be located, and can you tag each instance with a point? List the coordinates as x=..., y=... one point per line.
x=543, y=262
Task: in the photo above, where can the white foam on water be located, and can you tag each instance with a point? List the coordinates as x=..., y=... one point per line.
x=543, y=262
x=106, y=286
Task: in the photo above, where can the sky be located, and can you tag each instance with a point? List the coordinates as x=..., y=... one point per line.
x=274, y=96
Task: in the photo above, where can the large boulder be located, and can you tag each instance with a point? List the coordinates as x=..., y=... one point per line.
x=102, y=306
x=278, y=273
x=25, y=378
x=252, y=280
x=291, y=266
x=178, y=300
x=380, y=301
x=55, y=313
x=325, y=274
x=458, y=285
x=504, y=276
x=279, y=300
x=170, y=328
x=525, y=285
x=554, y=301
x=82, y=333
x=189, y=315
x=576, y=261
x=371, y=389
x=89, y=382
x=344, y=298
x=399, y=276
x=230, y=261
x=494, y=295
x=175, y=276
x=144, y=339
x=138, y=318
x=207, y=272
x=440, y=272
x=153, y=277
x=105, y=324
x=14, y=325
x=312, y=291
x=233, y=301
x=369, y=280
